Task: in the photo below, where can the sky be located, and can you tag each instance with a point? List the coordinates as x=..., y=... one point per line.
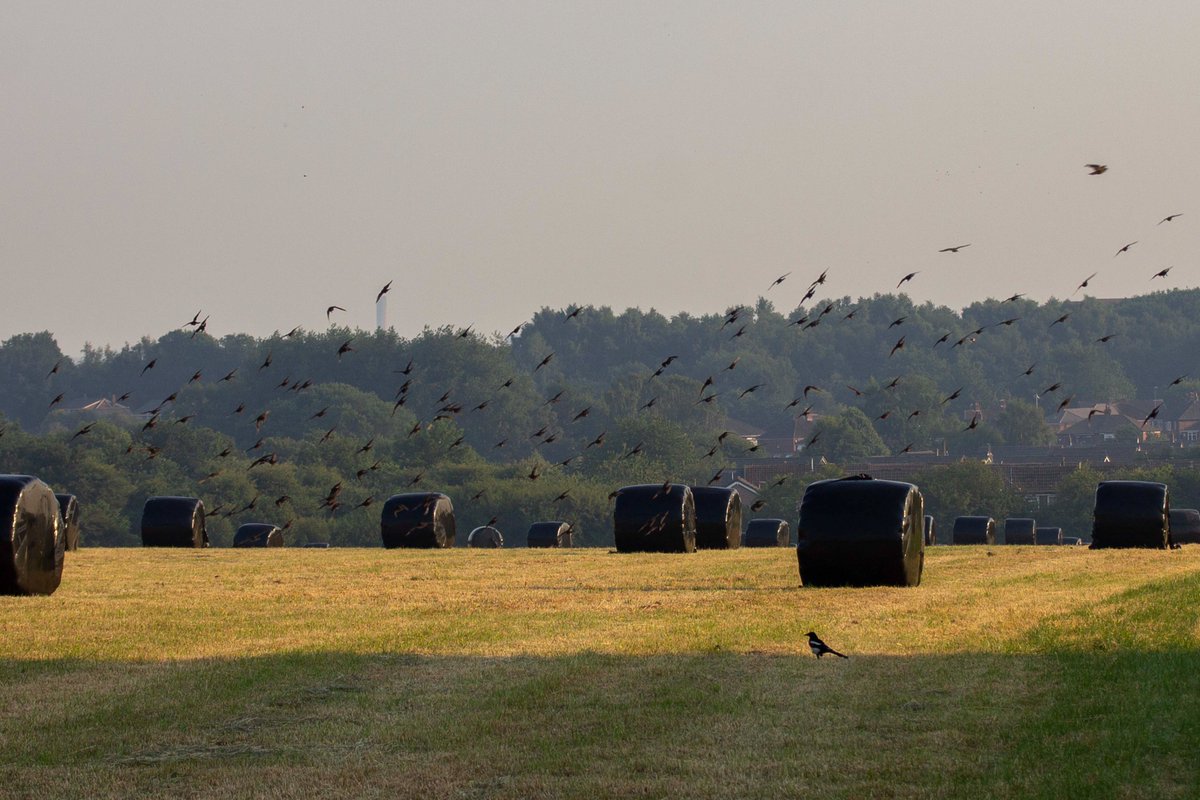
x=262, y=161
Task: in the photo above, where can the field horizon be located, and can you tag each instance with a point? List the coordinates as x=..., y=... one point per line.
x=1010, y=672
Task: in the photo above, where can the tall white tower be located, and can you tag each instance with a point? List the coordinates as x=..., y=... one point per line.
x=381, y=313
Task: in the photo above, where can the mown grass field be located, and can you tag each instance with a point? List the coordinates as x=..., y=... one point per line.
x=1011, y=672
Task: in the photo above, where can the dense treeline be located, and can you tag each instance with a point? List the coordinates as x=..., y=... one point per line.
x=545, y=424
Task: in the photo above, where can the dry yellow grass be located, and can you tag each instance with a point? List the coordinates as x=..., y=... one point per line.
x=371, y=673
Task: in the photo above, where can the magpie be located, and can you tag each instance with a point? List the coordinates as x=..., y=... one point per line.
x=819, y=648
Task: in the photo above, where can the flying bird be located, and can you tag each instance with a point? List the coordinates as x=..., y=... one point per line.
x=329, y=311
x=896, y=322
x=229, y=377
x=1152, y=414
x=345, y=348
x=1085, y=282
x=266, y=362
x=515, y=331
x=954, y=249
x=383, y=291
x=573, y=314
x=1063, y=318
x=1097, y=169
x=54, y=369
x=753, y=388
x=952, y=396
x=974, y=424
x=150, y=365
x=1162, y=273
x=819, y=648
x=56, y=400
x=1012, y=299
x=778, y=281
x=945, y=338
x=1124, y=249
x=1169, y=218
x=897, y=346
x=1105, y=339
x=908, y=277
x=635, y=451
x=1066, y=402
x=84, y=431
x=1052, y=388
x=543, y=362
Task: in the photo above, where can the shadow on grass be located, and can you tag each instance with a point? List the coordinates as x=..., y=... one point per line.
x=1101, y=702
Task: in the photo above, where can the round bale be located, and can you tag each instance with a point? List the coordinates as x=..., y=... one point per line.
x=973, y=530
x=174, y=522
x=68, y=504
x=31, y=537
x=258, y=534
x=767, y=533
x=1048, y=535
x=1185, y=526
x=655, y=518
x=1020, y=530
x=485, y=536
x=858, y=531
x=1131, y=514
x=549, y=534
x=718, y=518
x=418, y=519
x=930, y=530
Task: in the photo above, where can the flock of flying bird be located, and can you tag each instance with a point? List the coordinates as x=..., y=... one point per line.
x=449, y=408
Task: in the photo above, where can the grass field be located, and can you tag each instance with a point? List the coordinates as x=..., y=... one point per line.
x=1010, y=672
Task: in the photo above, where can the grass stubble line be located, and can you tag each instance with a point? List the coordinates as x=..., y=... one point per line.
x=360, y=673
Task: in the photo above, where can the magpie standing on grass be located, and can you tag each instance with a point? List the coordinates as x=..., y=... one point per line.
x=819, y=648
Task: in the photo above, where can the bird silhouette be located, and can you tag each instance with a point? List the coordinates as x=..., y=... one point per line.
x=974, y=424
x=84, y=431
x=897, y=346
x=572, y=315
x=382, y=292
x=954, y=249
x=898, y=321
x=1097, y=169
x=1124, y=249
x=952, y=396
x=778, y=281
x=1063, y=318
x=329, y=311
x=749, y=390
x=1014, y=298
x=1152, y=415
x=543, y=362
x=1106, y=339
x=1162, y=273
x=907, y=278
x=149, y=365
x=1169, y=218
x=57, y=399
x=1085, y=282
x=345, y=348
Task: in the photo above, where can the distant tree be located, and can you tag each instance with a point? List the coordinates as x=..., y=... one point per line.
x=846, y=438
x=1023, y=423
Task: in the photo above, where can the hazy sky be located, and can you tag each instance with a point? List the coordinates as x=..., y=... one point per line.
x=261, y=161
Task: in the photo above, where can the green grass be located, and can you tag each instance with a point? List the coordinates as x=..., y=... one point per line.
x=1011, y=672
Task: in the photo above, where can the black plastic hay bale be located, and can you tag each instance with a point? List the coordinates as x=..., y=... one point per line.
x=859, y=531
x=31, y=537
x=68, y=506
x=1131, y=514
x=258, y=534
x=655, y=519
x=1185, y=526
x=930, y=530
x=718, y=518
x=549, y=534
x=973, y=530
x=1020, y=530
x=1048, y=535
x=767, y=533
x=485, y=536
x=317, y=545
x=174, y=522
x=419, y=519
x=1072, y=540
